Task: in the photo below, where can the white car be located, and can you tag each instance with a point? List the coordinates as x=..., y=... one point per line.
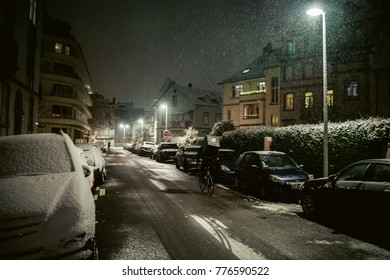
x=95, y=159
x=46, y=207
x=91, y=177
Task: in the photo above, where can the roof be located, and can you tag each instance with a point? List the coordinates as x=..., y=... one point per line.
x=255, y=70
x=252, y=71
x=195, y=96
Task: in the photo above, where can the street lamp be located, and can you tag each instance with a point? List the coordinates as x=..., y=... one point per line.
x=142, y=129
x=124, y=130
x=317, y=12
x=166, y=115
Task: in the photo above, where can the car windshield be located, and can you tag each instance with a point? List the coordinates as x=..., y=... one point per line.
x=278, y=162
x=36, y=156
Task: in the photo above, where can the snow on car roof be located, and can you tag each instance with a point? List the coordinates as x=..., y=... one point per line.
x=34, y=154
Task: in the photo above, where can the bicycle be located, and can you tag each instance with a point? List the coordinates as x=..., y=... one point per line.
x=207, y=180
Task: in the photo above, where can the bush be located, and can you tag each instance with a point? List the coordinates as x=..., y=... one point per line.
x=347, y=142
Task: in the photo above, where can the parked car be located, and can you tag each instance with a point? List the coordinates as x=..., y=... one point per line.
x=186, y=157
x=166, y=151
x=146, y=148
x=46, y=207
x=95, y=159
x=361, y=188
x=274, y=175
x=226, y=165
x=91, y=177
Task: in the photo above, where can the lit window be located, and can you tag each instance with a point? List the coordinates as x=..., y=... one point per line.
x=274, y=120
x=352, y=90
x=58, y=47
x=289, y=102
x=261, y=86
x=329, y=97
x=251, y=111
x=237, y=90
x=309, y=99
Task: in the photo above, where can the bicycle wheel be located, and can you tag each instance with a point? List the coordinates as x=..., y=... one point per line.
x=202, y=182
x=210, y=183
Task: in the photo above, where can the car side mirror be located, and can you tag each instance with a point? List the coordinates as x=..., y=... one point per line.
x=86, y=170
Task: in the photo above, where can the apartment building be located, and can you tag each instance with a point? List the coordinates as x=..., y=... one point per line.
x=20, y=42
x=65, y=83
x=284, y=86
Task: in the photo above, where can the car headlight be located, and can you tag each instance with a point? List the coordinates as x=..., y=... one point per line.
x=276, y=179
x=224, y=168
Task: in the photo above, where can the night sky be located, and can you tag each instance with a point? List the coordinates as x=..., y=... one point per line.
x=132, y=46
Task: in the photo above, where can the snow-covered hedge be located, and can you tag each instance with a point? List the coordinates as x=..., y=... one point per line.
x=347, y=142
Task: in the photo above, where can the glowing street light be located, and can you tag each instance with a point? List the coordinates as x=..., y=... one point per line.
x=317, y=12
x=124, y=130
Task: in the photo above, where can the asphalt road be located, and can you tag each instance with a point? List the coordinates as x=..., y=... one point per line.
x=151, y=211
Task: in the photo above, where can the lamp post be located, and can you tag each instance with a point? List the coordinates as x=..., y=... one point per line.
x=166, y=115
x=317, y=12
x=142, y=129
x=124, y=130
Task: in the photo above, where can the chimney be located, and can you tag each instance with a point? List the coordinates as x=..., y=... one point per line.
x=190, y=85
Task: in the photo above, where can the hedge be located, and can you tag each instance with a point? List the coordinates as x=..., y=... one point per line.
x=347, y=142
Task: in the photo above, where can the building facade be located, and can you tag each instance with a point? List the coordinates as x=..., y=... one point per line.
x=358, y=63
x=65, y=83
x=20, y=42
x=180, y=107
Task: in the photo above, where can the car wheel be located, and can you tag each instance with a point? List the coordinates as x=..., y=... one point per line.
x=308, y=204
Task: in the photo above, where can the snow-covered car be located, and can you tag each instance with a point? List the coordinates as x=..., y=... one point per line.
x=95, y=159
x=91, y=177
x=273, y=175
x=46, y=207
x=186, y=157
x=362, y=189
x=166, y=152
x=146, y=148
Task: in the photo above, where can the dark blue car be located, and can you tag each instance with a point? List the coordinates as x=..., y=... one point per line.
x=273, y=175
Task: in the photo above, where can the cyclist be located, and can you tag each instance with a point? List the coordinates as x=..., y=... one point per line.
x=208, y=156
